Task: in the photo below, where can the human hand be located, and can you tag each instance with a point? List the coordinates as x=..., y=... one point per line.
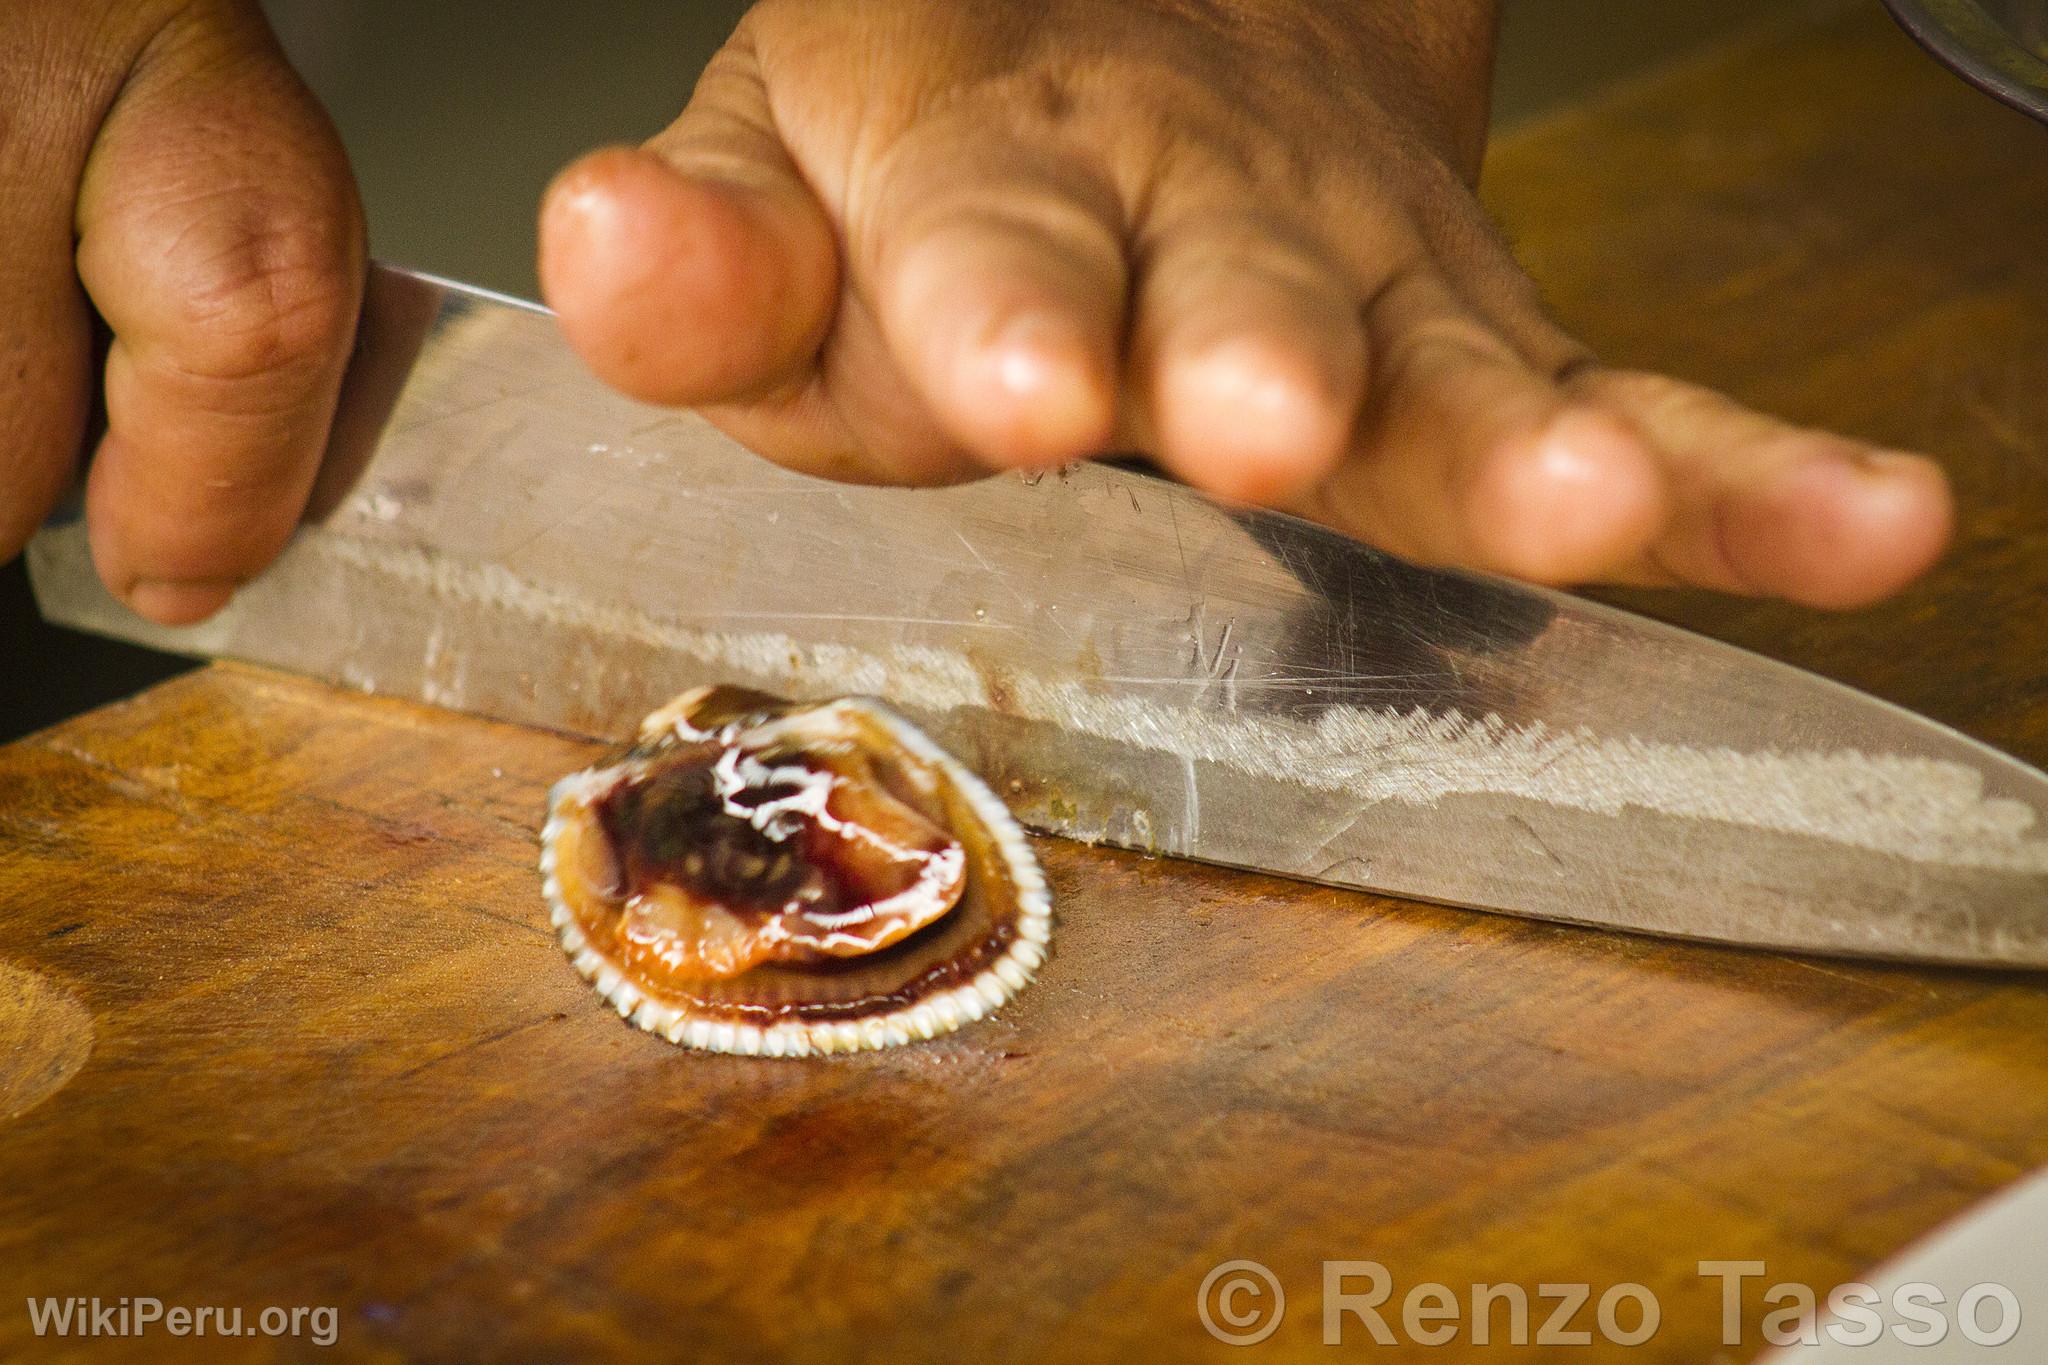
x=925, y=239
x=161, y=164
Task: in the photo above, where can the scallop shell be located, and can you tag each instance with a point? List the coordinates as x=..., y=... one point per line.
x=791, y=962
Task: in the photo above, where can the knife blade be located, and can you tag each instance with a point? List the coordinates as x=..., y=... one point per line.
x=1125, y=661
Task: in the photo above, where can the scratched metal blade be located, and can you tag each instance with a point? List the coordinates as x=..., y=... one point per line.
x=1124, y=660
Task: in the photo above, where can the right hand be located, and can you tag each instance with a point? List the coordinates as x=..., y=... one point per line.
x=161, y=164
x=925, y=239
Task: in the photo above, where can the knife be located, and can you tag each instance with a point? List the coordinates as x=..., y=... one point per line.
x=1125, y=661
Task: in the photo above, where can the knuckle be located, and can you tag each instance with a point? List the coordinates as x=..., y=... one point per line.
x=964, y=177
x=1010, y=227
x=1262, y=250
x=1050, y=195
x=1033, y=101
x=1434, y=341
x=272, y=293
x=1047, y=222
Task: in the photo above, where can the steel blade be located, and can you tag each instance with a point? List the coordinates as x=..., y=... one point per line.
x=1127, y=662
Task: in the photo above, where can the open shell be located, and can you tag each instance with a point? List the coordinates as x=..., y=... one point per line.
x=778, y=879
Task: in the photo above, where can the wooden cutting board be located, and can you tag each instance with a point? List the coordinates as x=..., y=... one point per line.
x=281, y=1022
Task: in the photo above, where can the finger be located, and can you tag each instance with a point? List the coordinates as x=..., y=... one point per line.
x=701, y=269
x=998, y=276
x=45, y=333
x=1249, y=356
x=1759, y=506
x=1770, y=509
x=1469, y=457
x=220, y=237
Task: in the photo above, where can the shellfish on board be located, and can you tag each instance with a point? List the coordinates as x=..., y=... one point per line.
x=780, y=879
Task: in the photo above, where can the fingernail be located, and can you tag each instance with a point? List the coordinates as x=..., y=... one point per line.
x=180, y=602
x=1030, y=394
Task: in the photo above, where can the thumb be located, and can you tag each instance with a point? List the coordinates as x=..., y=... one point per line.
x=702, y=268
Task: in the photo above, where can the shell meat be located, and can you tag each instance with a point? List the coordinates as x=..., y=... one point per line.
x=779, y=879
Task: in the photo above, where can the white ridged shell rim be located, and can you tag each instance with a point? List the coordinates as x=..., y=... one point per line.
x=929, y=1017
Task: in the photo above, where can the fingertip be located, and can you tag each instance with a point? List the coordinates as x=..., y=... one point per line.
x=587, y=206
x=682, y=289
x=1032, y=392
x=999, y=281
x=1843, y=528
x=170, y=602
x=614, y=225
x=170, y=584
x=1254, y=421
x=175, y=549
x=1575, y=502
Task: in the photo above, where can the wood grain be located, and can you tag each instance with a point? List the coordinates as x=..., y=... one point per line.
x=335, y=1058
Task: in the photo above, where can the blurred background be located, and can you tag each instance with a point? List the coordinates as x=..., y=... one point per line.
x=457, y=112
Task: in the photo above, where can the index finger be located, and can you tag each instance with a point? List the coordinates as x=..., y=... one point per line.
x=220, y=237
